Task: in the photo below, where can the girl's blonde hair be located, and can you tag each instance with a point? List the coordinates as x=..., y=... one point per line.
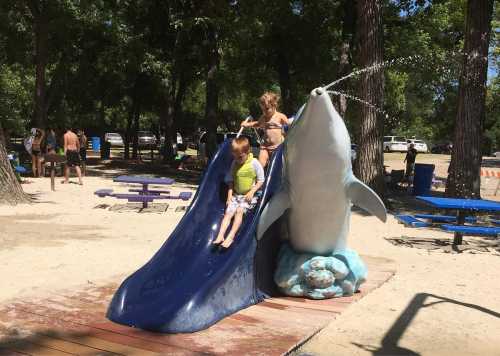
x=269, y=99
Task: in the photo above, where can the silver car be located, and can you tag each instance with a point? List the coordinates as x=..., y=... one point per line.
x=146, y=139
x=113, y=138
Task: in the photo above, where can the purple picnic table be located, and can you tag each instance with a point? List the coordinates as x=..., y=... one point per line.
x=145, y=181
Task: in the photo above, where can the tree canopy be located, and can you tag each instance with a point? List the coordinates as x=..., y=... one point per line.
x=124, y=65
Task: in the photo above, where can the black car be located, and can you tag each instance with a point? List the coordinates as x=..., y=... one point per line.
x=442, y=148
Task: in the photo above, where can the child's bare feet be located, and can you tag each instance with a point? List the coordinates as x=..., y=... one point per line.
x=227, y=242
x=218, y=240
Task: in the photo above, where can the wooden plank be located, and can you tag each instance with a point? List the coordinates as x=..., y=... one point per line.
x=95, y=338
x=30, y=348
x=327, y=305
x=67, y=346
x=6, y=352
x=75, y=323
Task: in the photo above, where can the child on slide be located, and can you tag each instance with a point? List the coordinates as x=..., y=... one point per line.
x=245, y=177
x=272, y=123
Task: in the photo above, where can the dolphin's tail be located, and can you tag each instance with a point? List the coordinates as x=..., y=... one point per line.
x=189, y=284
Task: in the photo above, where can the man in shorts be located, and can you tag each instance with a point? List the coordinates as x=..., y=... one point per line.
x=72, y=152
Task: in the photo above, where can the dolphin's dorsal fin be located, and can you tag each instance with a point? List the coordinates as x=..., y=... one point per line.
x=364, y=197
x=273, y=210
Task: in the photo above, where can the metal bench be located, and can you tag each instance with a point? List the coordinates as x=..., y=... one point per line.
x=444, y=218
x=147, y=198
x=472, y=230
x=149, y=191
x=410, y=220
x=103, y=192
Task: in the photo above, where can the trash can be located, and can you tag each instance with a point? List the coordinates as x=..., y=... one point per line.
x=96, y=144
x=105, y=150
x=422, y=179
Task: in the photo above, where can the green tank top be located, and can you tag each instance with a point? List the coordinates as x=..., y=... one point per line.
x=244, y=176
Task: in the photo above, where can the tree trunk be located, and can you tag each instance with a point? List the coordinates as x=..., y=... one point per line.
x=370, y=160
x=11, y=191
x=464, y=173
x=128, y=133
x=285, y=83
x=348, y=23
x=135, y=129
x=212, y=91
x=167, y=119
x=41, y=52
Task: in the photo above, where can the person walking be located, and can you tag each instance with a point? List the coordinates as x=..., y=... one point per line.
x=410, y=158
x=71, y=150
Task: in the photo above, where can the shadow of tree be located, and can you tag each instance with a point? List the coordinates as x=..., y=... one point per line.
x=116, y=167
x=389, y=343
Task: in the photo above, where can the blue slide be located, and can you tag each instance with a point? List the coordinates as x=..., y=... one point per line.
x=189, y=284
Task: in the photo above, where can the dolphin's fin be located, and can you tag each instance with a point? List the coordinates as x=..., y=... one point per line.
x=273, y=210
x=364, y=197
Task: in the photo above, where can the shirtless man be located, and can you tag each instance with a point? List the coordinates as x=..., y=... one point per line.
x=72, y=152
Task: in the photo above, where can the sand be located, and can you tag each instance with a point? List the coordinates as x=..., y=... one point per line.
x=439, y=303
x=66, y=239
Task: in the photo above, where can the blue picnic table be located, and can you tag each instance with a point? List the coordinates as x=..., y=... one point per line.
x=145, y=195
x=463, y=207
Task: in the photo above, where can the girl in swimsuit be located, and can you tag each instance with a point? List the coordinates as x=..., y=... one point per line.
x=36, y=152
x=271, y=122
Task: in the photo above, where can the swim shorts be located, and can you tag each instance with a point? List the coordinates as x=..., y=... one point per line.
x=238, y=201
x=73, y=158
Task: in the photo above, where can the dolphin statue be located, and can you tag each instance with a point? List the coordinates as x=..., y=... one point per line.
x=318, y=189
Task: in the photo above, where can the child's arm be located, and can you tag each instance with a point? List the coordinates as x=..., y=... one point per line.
x=260, y=180
x=251, y=193
x=229, y=193
x=285, y=120
x=250, y=124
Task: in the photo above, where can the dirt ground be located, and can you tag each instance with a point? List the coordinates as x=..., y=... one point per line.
x=439, y=302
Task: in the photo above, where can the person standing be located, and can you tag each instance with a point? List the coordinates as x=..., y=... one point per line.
x=36, y=153
x=83, y=150
x=51, y=141
x=411, y=155
x=71, y=150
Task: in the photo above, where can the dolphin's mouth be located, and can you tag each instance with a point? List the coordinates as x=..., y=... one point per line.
x=319, y=91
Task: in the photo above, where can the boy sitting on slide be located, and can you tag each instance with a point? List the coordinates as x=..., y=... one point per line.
x=244, y=178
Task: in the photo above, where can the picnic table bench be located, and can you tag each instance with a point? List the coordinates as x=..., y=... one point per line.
x=444, y=218
x=409, y=220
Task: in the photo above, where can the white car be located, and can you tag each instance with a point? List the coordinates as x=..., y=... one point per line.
x=114, y=139
x=395, y=143
x=419, y=145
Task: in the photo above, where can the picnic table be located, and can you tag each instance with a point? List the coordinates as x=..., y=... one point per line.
x=144, y=195
x=463, y=207
x=145, y=181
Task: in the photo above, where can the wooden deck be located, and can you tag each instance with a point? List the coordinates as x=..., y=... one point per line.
x=74, y=323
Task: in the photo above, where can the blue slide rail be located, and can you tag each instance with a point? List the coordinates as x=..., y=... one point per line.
x=189, y=284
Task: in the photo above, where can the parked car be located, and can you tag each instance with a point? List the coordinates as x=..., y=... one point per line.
x=178, y=145
x=443, y=148
x=419, y=145
x=354, y=152
x=395, y=143
x=113, y=138
x=146, y=139
x=221, y=137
